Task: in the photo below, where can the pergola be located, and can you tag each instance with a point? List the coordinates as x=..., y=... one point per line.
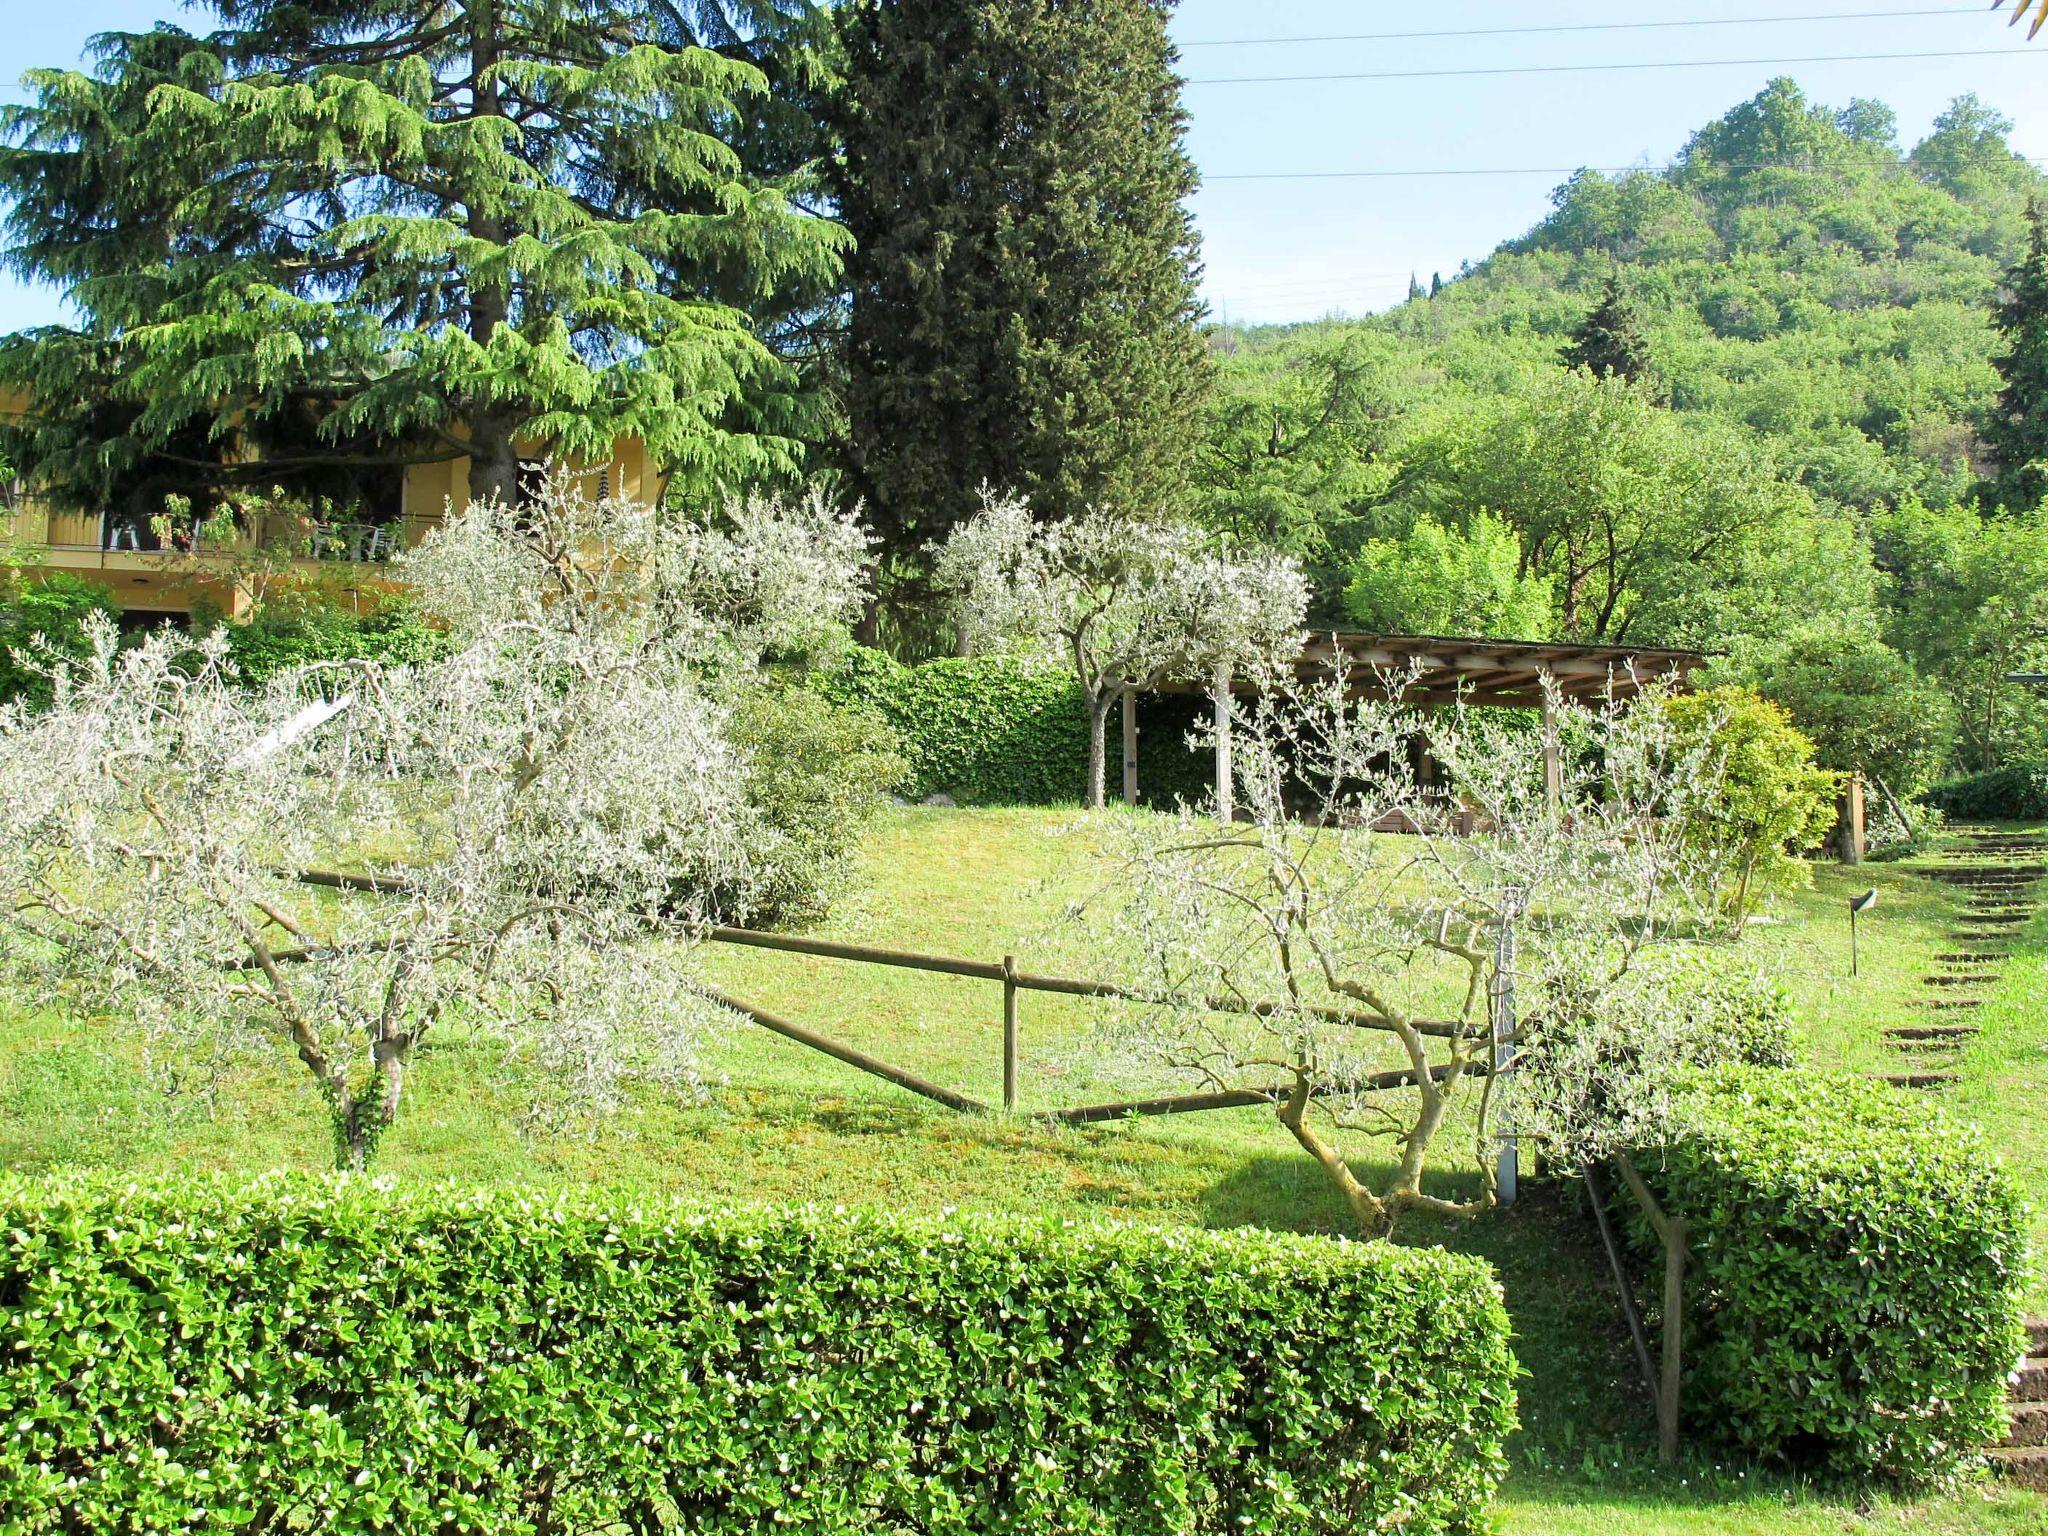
x=1441, y=669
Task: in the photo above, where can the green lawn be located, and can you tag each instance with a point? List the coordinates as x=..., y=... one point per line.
x=790, y=1124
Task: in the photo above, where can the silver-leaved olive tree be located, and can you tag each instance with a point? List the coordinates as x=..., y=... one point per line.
x=1352, y=949
x=547, y=804
x=1126, y=604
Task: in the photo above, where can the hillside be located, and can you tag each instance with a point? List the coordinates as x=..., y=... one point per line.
x=1798, y=272
x=1798, y=468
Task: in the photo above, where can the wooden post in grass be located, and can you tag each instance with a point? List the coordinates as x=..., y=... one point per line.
x=1130, y=746
x=1671, y=1230
x=1010, y=1033
x=1853, y=838
x=1502, y=988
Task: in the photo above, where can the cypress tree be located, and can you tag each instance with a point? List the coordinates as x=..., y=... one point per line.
x=2017, y=432
x=1436, y=284
x=375, y=230
x=1610, y=340
x=1414, y=288
x=1023, y=284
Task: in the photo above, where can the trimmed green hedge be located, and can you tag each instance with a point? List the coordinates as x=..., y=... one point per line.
x=1853, y=1303
x=2018, y=793
x=329, y=1355
x=1013, y=731
x=297, y=634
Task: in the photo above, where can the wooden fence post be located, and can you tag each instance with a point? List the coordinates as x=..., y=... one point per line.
x=1226, y=779
x=1672, y=1231
x=1508, y=1168
x=1009, y=1034
x=1853, y=839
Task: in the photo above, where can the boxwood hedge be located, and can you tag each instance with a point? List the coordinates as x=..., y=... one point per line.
x=1009, y=730
x=2015, y=793
x=1853, y=1303
x=329, y=1355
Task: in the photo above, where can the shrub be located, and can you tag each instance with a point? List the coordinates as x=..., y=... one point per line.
x=2015, y=793
x=334, y=1355
x=1771, y=801
x=1010, y=730
x=296, y=632
x=815, y=773
x=1606, y=1050
x=51, y=608
x=1857, y=1261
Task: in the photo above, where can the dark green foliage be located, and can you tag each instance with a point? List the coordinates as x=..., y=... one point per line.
x=2017, y=431
x=815, y=773
x=292, y=634
x=48, y=608
x=1008, y=731
x=1023, y=282
x=1858, y=1256
x=1864, y=707
x=1611, y=340
x=2015, y=793
x=410, y=229
x=519, y=1362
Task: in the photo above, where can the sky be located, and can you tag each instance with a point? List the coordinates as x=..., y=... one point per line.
x=1286, y=238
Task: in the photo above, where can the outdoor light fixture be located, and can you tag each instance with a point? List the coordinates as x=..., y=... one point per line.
x=1858, y=904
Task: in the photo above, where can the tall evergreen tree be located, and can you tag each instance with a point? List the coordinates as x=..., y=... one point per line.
x=1610, y=340
x=2018, y=429
x=1023, y=285
x=373, y=229
x=1415, y=288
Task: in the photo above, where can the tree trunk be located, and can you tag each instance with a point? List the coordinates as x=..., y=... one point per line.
x=494, y=458
x=1098, y=729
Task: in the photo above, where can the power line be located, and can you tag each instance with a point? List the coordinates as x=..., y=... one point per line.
x=1590, y=26
x=1556, y=170
x=1569, y=69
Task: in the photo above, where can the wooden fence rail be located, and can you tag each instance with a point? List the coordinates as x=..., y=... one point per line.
x=1013, y=982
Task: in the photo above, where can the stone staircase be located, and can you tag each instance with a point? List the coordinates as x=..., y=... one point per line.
x=2023, y=1457
x=1997, y=874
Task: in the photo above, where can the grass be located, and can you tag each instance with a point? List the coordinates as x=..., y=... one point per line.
x=793, y=1125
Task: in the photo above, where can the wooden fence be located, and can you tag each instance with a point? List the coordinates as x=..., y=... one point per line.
x=1014, y=983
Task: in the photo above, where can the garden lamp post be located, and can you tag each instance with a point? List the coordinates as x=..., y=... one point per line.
x=1858, y=904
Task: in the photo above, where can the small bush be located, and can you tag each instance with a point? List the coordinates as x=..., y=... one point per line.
x=330, y=1355
x=297, y=632
x=1857, y=1260
x=2015, y=793
x=43, y=610
x=816, y=772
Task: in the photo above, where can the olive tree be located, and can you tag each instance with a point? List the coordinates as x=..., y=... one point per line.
x=1342, y=953
x=546, y=804
x=1125, y=604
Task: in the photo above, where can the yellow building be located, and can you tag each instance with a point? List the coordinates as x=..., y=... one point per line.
x=348, y=555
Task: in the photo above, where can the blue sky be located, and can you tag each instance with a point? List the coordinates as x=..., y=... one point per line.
x=1288, y=249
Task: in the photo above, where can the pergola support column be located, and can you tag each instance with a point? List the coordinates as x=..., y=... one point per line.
x=1130, y=746
x=1553, y=760
x=1226, y=783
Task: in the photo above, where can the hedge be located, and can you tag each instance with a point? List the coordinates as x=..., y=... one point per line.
x=1853, y=1302
x=2017, y=793
x=327, y=1354
x=1011, y=730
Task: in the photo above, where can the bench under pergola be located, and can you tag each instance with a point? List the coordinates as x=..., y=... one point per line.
x=1440, y=669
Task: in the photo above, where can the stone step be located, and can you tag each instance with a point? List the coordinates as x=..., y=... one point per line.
x=1931, y=1032
x=2037, y=1335
x=1917, y=1079
x=1971, y=956
x=1925, y=1049
x=2031, y=1384
x=2024, y=1468
x=1953, y=981
x=1945, y=1002
x=2029, y=1426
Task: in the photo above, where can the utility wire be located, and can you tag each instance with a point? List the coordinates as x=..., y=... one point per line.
x=1563, y=170
x=1589, y=26
x=1570, y=69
